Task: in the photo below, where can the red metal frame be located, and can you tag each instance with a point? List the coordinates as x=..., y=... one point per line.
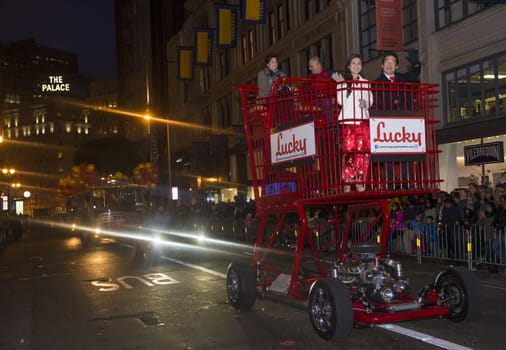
x=316, y=181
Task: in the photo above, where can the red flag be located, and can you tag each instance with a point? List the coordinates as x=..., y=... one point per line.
x=389, y=25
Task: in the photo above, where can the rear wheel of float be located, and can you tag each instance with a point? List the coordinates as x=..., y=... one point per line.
x=459, y=289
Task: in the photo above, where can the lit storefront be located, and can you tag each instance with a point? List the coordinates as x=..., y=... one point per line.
x=475, y=110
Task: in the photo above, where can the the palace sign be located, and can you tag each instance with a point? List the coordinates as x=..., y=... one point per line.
x=293, y=144
x=55, y=84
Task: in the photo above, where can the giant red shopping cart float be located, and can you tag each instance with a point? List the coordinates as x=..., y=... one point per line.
x=300, y=163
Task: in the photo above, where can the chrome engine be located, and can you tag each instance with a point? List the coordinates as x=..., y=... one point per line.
x=375, y=279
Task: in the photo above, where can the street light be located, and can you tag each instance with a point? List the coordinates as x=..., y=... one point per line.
x=8, y=172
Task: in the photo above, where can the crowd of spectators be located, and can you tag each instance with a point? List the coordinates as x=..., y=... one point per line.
x=445, y=220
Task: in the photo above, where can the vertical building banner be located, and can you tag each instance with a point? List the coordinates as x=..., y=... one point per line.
x=204, y=46
x=226, y=24
x=389, y=35
x=185, y=63
x=253, y=11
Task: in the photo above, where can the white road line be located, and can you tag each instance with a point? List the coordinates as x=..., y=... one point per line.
x=492, y=286
x=196, y=267
x=423, y=337
x=426, y=338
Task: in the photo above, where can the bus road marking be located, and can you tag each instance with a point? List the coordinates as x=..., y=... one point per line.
x=149, y=280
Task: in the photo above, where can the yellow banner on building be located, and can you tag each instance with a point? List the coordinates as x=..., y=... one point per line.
x=204, y=46
x=253, y=11
x=185, y=63
x=226, y=24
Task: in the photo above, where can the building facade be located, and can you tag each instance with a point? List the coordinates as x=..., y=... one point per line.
x=142, y=30
x=46, y=114
x=461, y=45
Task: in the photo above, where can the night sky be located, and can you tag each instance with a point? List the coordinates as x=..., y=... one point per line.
x=85, y=27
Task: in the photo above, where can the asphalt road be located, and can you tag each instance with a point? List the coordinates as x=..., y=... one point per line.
x=56, y=295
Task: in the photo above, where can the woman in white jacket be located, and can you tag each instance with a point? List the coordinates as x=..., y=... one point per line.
x=354, y=95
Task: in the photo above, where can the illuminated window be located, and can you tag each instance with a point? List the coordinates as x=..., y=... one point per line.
x=204, y=78
x=251, y=40
x=79, y=129
x=68, y=127
x=85, y=115
x=244, y=48
x=475, y=90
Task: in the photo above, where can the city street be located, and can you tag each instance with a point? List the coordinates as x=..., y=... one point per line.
x=55, y=294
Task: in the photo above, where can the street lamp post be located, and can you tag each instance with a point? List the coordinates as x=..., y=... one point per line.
x=169, y=164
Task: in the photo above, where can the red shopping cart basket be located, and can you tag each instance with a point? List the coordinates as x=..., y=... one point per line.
x=324, y=153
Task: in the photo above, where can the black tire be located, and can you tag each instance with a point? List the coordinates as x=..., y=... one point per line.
x=241, y=285
x=459, y=289
x=330, y=309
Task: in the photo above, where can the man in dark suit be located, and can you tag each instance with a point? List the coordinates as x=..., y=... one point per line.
x=390, y=97
x=392, y=93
